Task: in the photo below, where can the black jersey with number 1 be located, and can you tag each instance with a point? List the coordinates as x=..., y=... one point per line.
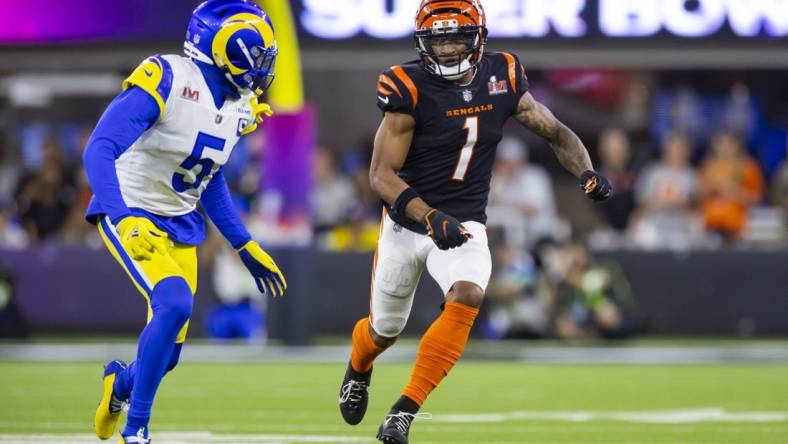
x=457, y=131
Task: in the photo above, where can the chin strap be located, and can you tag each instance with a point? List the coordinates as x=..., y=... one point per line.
x=473, y=77
x=238, y=88
x=241, y=90
x=462, y=69
x=191, y=51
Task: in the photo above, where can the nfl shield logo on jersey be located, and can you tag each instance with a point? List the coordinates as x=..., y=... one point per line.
x=467, y=95
x=495, y=87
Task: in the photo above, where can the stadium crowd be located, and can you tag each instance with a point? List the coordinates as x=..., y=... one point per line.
x=677, y=199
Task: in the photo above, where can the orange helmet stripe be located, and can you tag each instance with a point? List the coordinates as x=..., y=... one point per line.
x=461, y=20
x=404, y=78
x=467, y=12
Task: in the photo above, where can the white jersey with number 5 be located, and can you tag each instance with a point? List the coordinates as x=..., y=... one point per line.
x=166, y=170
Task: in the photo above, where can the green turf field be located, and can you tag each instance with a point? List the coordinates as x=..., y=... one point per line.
x=480, y=402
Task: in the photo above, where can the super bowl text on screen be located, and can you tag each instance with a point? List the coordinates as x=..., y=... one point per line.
x=391, y=19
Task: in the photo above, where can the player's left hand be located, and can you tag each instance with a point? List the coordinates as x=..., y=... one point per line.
x=595, y=186
x=267, y=276
x=259, y=109
x=141, y=238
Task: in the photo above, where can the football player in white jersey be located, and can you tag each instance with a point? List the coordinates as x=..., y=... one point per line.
x=158, y=149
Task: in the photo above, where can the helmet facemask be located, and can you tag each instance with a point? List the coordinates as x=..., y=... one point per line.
x=455, y=66
x=261, y=76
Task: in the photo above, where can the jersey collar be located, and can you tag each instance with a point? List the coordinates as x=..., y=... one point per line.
x=221, y=89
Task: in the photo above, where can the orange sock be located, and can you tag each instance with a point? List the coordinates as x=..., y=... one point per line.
x=364, y=348
x=440, y=348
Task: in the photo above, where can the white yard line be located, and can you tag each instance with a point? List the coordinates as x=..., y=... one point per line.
x=259, y=439
x=663, y=417
x=191, y=438
x=203, y=351
x=683, y=416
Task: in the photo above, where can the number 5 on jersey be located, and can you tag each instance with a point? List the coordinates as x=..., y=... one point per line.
x=179, y=183
x=466, y=154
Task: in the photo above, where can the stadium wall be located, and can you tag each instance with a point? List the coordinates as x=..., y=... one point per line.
x=704, y=293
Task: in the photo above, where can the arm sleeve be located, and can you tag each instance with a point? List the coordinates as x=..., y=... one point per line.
x=396, y=91
x=218, y=204
x=123, y=122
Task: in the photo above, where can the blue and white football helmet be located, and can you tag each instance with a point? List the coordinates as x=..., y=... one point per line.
x=237, y=37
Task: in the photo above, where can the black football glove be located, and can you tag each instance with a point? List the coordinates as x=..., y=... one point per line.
x=446, y=231
x=595, y=186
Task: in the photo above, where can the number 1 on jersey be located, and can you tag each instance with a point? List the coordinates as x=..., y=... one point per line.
x=472, y=125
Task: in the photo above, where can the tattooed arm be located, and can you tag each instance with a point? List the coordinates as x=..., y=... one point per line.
x=567, y=146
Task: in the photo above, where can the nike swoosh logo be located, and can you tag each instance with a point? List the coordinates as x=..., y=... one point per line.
x=384, y=99
x=147, y=73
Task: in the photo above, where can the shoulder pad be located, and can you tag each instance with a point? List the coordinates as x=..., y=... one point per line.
x=397, y=91
x=517, y=77
x=154, y=76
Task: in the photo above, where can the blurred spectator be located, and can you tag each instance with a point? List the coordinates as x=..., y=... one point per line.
x=560, y=291
x=779, y=190
x=343, y=206
x=12, y=236
x=665, y=195
x=45, y=197
x=76, y=230
x=588, y=298
x=243, y=172
x=516, y=307
x=615, y=155
x=359, y=234
x=739, y=112
x=334, y=196
x=356, y=165
x=9, y=173
x=779, y=198
x=522, y=200
x=240, y=312
x=685, y=112
x=730, y=183
x=12, y=322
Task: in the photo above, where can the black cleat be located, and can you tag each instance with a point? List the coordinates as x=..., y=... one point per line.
x=396, y=426
x=354, y=395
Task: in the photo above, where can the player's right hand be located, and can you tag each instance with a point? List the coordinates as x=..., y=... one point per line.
x=140, y=238
x=446, y=231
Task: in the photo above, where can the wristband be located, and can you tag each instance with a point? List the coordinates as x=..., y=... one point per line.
x=402, y=201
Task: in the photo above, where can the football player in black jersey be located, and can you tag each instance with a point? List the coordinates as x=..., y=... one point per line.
x=432, y=163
